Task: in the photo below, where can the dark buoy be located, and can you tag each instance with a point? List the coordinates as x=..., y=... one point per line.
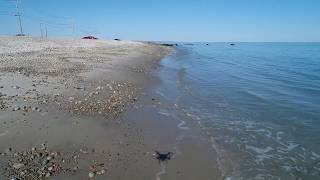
x=232, y=44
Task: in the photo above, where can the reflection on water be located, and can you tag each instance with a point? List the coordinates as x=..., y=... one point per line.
x=259, y=103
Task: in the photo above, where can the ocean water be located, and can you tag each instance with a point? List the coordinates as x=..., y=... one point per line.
x=258, y=103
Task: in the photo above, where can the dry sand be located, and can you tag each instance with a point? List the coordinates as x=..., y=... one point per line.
x=79, y=109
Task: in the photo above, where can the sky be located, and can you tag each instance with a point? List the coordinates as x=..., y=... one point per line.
x=168, y=20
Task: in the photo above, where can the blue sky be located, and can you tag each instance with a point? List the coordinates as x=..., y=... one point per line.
x=169, y=20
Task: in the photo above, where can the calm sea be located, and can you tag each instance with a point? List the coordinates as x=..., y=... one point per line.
x=259, y=104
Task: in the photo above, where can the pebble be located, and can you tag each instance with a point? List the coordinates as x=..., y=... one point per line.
x=91, y=175
x=35, y=109
x=17, y=165
x=79, y=88
x=16, y=109
x=48, y=175
x=74, y=169
x=83, y=151
x=44, y=162
x=101, y=172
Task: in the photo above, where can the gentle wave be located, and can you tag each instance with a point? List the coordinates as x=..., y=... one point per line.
x=257, y=102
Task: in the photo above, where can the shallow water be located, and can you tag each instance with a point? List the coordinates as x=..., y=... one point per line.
x=259, y=104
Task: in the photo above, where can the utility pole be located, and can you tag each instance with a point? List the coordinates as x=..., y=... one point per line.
x=46, y=33
x=73, y=28
x=19, y=16
x=41, y=31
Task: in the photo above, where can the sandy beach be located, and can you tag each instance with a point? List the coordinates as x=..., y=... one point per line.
x=159, y=90
x=64, y=96
x=79, y=109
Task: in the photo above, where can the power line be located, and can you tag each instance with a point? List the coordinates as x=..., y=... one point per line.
x=5, y=11
x=45, y=14
x=53, y=19
x=5, y=8
x=7, y=14
x=46, y=20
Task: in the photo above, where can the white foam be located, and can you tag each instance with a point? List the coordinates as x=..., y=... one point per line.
x=162, y=94
x=260, y=158
x=289, y=147
x=182, y=125
x=162, y=112
x=315, y=154
x=259, y=150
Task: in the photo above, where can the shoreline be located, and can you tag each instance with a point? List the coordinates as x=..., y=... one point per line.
x=168, y=128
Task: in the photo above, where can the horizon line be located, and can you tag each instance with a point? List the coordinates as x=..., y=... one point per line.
x=168, y=41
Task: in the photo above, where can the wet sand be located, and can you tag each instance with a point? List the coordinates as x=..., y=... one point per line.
x=193, y=156
x=79, y=109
